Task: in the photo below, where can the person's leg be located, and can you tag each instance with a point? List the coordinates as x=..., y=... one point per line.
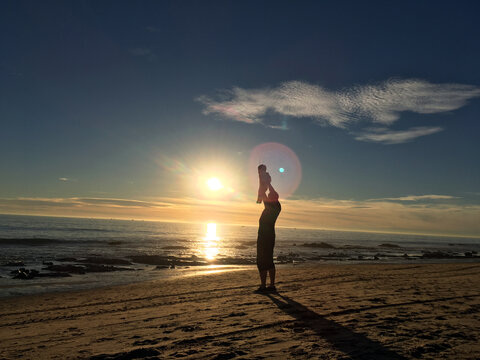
x=271, y=273
x=263, y=277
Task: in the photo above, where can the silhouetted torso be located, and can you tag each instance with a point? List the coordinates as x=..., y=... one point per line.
x=266, y=232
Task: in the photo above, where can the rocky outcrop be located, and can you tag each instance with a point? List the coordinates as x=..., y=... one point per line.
x=28, y=274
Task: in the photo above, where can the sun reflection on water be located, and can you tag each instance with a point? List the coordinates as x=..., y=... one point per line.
x=211, y=242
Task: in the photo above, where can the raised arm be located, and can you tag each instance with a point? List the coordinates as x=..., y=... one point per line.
x=272, y=194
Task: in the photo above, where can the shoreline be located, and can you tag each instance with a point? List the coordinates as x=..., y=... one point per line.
x=323, y=311
x=12, y=288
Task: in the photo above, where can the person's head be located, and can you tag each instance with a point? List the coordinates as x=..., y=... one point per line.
x=261, y=168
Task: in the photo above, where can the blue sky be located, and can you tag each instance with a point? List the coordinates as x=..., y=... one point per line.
x=109, y=105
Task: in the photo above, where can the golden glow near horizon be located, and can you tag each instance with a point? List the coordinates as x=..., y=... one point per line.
x=211, y=245
x=214, y=184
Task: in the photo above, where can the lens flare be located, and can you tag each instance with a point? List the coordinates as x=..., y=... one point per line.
x=276, y=156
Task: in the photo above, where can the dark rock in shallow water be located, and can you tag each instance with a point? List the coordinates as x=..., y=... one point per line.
x=388, y=246
x=165, y=260
x=105, y=261
x=14, y=263
x=161, y=267
x=114, y=243
x=151, y=259
x=54, y=274
x=66, y=259
x=437, y=255
x=86, y=268
x=289, y=258
x=357, y=247
x=104, y=268
x=322, y=245
x=336, y=255
x=72, y=269
x=24, y=274
x=28, y=274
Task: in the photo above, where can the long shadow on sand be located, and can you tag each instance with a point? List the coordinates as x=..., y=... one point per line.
x=356, y=346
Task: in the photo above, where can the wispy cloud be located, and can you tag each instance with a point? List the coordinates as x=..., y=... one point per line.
x=387, y=136
x=418, y=198
x=64, y=179
x=79, y=202
x=381, y=104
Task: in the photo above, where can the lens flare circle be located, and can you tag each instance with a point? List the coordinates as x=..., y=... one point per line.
x=276, y=156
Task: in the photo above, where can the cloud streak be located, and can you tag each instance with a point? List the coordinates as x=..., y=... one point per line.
x=387, y=136
x=403, y=214
x=378, y=104
x=418, y=198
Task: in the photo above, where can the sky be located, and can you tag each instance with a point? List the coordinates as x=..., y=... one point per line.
x=125, y=109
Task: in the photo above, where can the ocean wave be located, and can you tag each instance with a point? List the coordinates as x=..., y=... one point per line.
x=50, y=241
x=50, y=228
x=31, y=241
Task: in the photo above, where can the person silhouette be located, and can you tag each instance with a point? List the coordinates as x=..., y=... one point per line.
x=266, y=239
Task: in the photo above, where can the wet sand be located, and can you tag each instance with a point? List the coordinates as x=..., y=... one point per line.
x=429, y=311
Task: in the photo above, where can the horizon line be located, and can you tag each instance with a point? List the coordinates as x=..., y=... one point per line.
x=241, y=224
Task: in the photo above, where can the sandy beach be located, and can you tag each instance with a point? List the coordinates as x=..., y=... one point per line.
x=429, y=311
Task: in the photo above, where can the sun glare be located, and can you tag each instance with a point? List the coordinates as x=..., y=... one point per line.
x=211, y=246
x=211, y=232
x=214, y=184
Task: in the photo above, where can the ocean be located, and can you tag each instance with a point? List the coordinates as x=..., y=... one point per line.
x=59, y=254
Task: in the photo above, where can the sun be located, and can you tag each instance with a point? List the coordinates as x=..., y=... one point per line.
x=214, y=184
